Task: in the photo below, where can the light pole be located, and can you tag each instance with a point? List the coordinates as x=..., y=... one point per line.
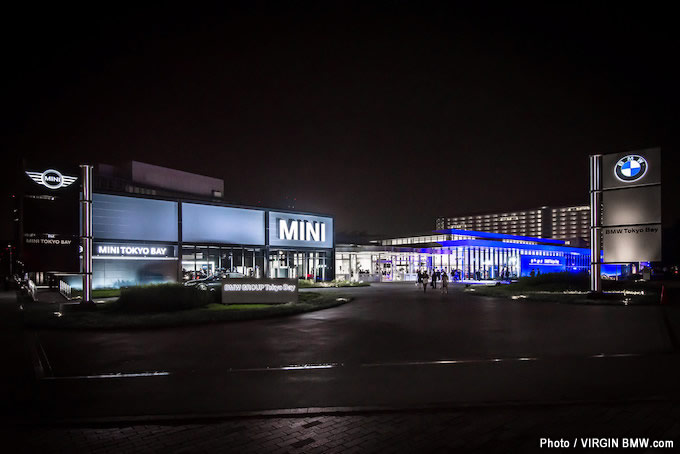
x=86, y=238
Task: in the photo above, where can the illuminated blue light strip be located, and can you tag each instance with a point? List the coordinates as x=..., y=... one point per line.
x=524, y=247
x=499, y=236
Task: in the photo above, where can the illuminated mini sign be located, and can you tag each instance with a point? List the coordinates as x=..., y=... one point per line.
x=50, y=220
x=302, y=230
x=630, y=168
x=133, y=250
x=52, y=179
x=299, y=230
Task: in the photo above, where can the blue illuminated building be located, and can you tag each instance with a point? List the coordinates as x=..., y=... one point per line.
x=471, y=255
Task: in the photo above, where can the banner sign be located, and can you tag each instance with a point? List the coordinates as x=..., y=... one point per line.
x=50, y=217
x=267, y=291
x=541, y=264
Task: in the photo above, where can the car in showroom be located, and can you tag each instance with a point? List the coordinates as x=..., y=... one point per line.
x=212, y=283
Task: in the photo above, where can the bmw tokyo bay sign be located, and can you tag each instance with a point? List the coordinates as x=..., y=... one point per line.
x=52, y=179
x=629, y=202
x=630, y=168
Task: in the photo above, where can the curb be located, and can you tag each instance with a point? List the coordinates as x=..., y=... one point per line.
x=327, y=411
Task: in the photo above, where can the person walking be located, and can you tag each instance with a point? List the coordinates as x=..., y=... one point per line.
x=434, y=279
x=445, y=283
x=425, y=278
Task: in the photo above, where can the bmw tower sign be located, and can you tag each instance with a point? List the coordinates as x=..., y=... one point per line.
x=625, y=207
x=630, y=168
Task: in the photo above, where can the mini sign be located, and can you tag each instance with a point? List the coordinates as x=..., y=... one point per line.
x=133, y=250
x=300, y=230
x=50, y=227
x=268, y=291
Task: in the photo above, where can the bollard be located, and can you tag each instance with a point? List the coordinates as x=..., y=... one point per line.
x=664, y=299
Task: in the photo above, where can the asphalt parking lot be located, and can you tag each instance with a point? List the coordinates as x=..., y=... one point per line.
x=391, y=347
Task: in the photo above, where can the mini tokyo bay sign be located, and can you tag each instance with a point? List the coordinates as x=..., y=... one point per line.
x=50, y=228
x=268, y=291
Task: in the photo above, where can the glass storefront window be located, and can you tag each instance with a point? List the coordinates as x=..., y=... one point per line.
x=204, y=261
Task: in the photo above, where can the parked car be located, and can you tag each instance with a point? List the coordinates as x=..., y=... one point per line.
x=214, y=282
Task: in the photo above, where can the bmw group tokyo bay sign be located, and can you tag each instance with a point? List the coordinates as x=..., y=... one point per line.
x=50, y=217
x=248, y=290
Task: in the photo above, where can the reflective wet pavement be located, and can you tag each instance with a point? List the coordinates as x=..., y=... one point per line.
x=391, y=347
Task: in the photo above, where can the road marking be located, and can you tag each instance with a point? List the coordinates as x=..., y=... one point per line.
x=302, y=367
x=290, y=367
x=119, y=375
x=447, y=362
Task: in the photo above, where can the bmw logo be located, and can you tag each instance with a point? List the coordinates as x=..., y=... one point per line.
x=630, y=168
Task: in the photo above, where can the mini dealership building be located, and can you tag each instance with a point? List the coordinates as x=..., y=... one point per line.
x=141, y=240
x=153, y=224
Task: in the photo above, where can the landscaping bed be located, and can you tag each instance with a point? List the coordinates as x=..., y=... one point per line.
x=303, y=283
x=572, y=288
x=167, y=305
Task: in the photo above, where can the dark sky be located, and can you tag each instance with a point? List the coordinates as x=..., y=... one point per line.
x=386, y=116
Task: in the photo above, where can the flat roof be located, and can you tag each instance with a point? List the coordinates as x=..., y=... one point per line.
x=499, y=236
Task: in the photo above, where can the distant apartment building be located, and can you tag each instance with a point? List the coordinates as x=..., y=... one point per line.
x=571, y=223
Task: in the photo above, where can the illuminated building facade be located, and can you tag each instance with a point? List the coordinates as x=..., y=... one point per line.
x=470, y=255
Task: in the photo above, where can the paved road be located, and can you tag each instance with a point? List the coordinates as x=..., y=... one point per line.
x=391, y=347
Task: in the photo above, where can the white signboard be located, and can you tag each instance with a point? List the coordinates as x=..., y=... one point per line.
x=249, y=290
x=632, y=243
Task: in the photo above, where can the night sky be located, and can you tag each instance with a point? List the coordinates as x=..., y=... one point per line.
x=385, y=116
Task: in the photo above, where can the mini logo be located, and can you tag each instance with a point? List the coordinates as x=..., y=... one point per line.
x=630, y=168
x=51, y=178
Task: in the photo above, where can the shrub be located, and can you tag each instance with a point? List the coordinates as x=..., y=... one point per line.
x=555, y=281
x=161, y=298
x=308, y=283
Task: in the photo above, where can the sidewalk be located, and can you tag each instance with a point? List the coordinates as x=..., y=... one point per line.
x=15, y=370
x=490, y=429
